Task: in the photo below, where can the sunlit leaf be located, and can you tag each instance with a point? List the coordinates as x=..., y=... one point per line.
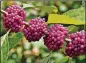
x=63, y=19
x=28, y=6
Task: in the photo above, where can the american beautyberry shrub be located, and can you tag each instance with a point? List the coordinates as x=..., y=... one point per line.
x=77, y=44
x=12, y=21
x=55, y=37
x=16, y=9
x=35, y=29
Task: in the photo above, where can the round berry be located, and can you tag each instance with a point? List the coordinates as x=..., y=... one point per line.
x=35, y=29
x=77, y=45
x=55, y=37
x=85, y=42
x=16, y=9
x=12, y=21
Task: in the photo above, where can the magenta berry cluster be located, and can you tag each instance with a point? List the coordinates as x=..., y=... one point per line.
x=55, y=37
x=16, y=9
x=36, y=29
x=85, y=41
x=76, y=46
x=13, y=22
x=14, y=18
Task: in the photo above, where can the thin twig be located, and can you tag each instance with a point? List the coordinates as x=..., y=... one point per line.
x=25, y=23
x=4, y=12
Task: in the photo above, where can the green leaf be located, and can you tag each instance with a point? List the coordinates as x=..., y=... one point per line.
x=63, y=60
x=72, y=28
x=1, y=59
x=47, y=9
x=63, y=19
x=46, y=59
x=4, y=48
x=7, y=43
x=77, y=14
x=11, y=61
x=13, y=40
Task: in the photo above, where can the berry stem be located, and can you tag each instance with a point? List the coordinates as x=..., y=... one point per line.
x=25, y=23
x=66, y=39
x=4, y=12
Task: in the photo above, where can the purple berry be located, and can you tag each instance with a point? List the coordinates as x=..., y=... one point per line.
x=55, y=38
x=35, y=29
x=85, y=42
x=12, y=21
x=16, y=9
x=77, y=45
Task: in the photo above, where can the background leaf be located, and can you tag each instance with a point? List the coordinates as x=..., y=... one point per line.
x=77, y=14
x=47, y=9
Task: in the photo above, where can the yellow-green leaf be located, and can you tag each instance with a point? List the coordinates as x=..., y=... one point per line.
x=63, y=19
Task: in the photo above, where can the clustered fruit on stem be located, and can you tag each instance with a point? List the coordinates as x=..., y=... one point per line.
x=13, y=21
x=55, y=37
x=77, y=45
x=13, y=18
x=16, y=9
x=35, y=29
